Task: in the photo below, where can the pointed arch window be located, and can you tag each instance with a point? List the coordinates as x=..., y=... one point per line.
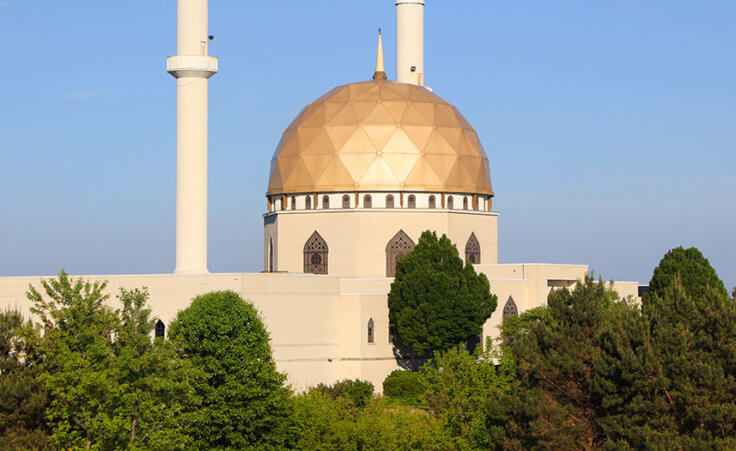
x=390, y=201
x=325, y=202
x=293, y=202
x=432, y=202
x=367, y=201
x=346, y=201
x=450, y=202
x=472, y=250
x=315, y=255
x=465, y=203
x=308, y=202
x=371, y=331
x=412, y=201
x=396, y=249
x=160, y=331
x=510, y=308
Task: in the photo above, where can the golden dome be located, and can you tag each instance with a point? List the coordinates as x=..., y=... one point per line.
x=380, y=135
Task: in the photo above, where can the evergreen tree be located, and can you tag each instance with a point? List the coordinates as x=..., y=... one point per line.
x=694, y=271
x=23, y=397
x=695, y=341
x=436, y=301
x=244, y=402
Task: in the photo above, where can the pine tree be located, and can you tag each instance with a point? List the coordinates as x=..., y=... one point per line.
x=692, y=269
x=437, y=302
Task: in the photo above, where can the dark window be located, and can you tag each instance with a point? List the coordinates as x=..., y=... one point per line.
x=412, y=201
x=397, y=248
x=160, y=329
x=472, y=250
x=367, y=201
x=293, y=202
x=325, y=202
x=315, y=255
x=308, y=203
x=270, y=255
x=465, y=203
x=450, y=202
x=346, y=201
x=390, y=201
x=432, y=202
x=371, y=331
x=510, y=308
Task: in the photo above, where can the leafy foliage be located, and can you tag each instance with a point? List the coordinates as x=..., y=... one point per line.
x=23, y=398
x=243, y=400
x=694, y=271
x=358, y=392
x=327, y=423
x=110, y=386
x=463, y=389
x=404, y=386
x=436, y=301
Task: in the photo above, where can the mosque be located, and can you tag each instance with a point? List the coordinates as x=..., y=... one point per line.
x=358, y=175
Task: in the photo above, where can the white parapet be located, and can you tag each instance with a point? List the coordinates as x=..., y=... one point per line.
x=186, y=66
x=410, y=41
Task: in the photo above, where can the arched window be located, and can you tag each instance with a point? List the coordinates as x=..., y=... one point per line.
x=412, y=201
x=390, y=201
x=346, y=201
x=465, y=203
x=315, y=255
x=308, y=202
x=510, y=308
x=396, y=249
x=325, y=202
x=450, y=203
x=472, y=250
x=432, y=202
x=160, y=329
x=293, y=202
x=367, y=201
x=371, y=331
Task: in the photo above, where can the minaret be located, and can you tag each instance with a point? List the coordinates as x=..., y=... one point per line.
x=410, y=41
x=380, y=73
x=191, y=67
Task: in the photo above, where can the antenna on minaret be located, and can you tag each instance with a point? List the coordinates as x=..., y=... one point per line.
x=380, y=73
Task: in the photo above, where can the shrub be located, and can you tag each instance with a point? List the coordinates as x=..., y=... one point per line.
x=356, y=391
x=405, y=386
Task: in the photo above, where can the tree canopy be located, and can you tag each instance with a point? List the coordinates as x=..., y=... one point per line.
x=436, y=300
x=244, y=401
x=694, y=271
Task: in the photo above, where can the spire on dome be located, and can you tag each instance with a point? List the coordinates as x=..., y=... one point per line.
x=380, y=73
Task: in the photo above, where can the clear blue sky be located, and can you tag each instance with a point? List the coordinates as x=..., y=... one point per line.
x=611, y=126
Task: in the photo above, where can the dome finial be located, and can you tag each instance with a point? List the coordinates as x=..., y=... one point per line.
x=380, y=73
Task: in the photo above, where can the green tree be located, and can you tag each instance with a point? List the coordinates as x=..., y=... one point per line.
x=23, y=397
x=436, y=301
x=695, y=341
x=556, y=353
x=694, y=271
x=244, y=401
x=327, y=423
x=464, y=390
x=356, y=391
x=110, y=386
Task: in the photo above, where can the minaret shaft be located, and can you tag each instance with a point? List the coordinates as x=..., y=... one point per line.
x=410, y=41
x=192, y=68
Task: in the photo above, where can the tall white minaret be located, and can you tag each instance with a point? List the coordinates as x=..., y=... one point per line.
x=191, y=67
x=410, y=41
